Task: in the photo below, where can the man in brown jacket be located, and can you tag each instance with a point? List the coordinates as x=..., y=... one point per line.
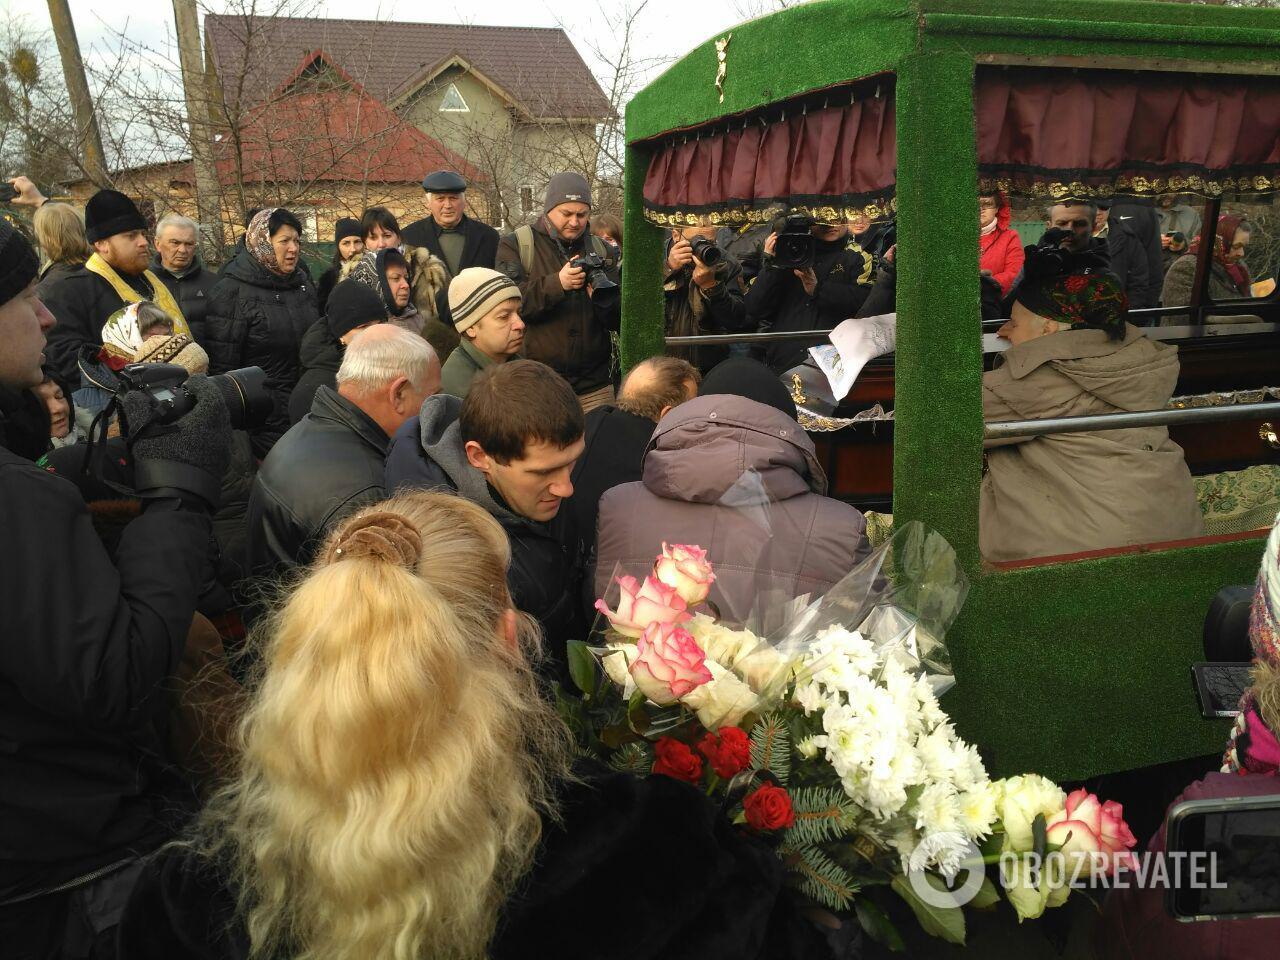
x=567, y=316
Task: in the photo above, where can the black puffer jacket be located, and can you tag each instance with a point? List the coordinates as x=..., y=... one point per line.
x=257, y=318
x=546, y=558
x=191, y=290
x=324, y=469
x=319, y=356
x=88, y=639
x=82, y=302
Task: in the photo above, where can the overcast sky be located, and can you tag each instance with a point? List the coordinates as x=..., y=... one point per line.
x=666, y=29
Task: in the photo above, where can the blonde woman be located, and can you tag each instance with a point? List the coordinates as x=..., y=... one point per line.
x=59, y=230
x=405, y=792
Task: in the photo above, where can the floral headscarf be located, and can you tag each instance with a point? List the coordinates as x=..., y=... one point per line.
x=122, y=334
x=257, y=240
x=1073, y=288
x=371, y=269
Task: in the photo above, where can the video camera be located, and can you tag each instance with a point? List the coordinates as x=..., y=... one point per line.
x=244, y=392
x=594, y=266
x=794, y=246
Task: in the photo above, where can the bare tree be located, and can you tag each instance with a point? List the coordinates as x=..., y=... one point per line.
x=90, y=139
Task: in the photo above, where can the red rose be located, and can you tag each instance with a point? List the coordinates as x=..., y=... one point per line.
x=730, y=753
x=1076, y=284
x=675, y=759
x=769, y=808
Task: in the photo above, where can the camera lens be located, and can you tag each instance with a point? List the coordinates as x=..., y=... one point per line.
x=244, y=393
x=706, y=251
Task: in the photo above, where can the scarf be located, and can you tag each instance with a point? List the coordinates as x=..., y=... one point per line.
x=990, y=228
x=1223, y=237
x=257, y=240
x=121, y=337
x=160, y=294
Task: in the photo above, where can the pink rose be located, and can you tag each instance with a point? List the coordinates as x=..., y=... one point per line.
x=1088, y=827
x=686, y=568
x=653, y=602
x=669, y=664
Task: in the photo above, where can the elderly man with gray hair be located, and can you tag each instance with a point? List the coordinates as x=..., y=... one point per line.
x=177, y=264
x=331, y=463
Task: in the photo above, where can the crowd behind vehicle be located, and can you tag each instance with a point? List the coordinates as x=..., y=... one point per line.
x=179, y=443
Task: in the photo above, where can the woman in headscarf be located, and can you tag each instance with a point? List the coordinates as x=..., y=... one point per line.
x=405, y=790
x=428, y=278
x=1228, y=276
x=259, y=311
x=1073, y=354
x=386, y=273
x=348, y=244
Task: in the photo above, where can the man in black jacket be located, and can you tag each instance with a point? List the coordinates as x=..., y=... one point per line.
x=510, y=447
x=1139, y=215
x=617, y=435
x=330, y=463
x=449, y=233
x=177, y=263
x=86, y=640
x=1128, y=256
x=816, y=297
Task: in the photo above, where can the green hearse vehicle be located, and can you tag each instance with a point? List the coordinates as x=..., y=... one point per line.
x=1077, y=666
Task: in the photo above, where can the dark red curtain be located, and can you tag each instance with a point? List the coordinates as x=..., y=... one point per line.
x=1055, y=132
x=833, y=161
x=1041, y=131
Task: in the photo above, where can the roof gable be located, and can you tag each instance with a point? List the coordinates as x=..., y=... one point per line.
x=537, y=68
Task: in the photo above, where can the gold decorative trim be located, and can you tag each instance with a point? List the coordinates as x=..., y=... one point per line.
x=1039, y=188
x=750, y=216
x=1230, y=398
x=821, y=423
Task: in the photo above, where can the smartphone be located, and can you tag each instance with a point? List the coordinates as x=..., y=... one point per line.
x=1220, y=685
x=7, y=191
x=1228, y=857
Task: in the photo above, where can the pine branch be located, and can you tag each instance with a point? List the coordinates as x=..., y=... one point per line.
x=819, y=878
x=771, y=746
x=822, y=814
x=635, y=758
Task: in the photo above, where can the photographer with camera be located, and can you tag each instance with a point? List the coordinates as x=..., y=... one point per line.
x=703, y=293
x=568, y=283
x=815, y=275
x=88, y=639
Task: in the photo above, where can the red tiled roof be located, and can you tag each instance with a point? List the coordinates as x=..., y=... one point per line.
x=334, y=136
x=538, y=66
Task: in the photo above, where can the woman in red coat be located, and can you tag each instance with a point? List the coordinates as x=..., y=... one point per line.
x=1000, y=245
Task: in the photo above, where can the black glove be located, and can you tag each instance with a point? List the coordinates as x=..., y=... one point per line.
x=187, y=457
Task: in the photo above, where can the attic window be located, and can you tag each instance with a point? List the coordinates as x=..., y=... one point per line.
x=453, y=102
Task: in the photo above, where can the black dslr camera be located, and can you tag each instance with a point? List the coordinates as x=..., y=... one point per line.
x=706, y=251
x=244, y=392
x=594, y=266
x=794, y=247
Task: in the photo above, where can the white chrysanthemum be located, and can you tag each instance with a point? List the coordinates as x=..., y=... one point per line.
x=945, y=851
x=972, y=771
x=941, y=754
x=850, y=645
x=930, y=711
x=809, y=696
x=978, y=810
x=809, y=747
x=938, y=808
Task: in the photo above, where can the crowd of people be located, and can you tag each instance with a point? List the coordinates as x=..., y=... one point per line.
x=314, y=647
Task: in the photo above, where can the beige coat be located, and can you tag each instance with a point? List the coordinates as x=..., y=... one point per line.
x=1072, y=492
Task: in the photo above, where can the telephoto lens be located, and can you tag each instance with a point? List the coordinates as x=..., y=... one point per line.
x=706, y=251
x=244, y=392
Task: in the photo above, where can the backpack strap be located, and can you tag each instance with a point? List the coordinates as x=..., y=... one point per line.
x=524, y=238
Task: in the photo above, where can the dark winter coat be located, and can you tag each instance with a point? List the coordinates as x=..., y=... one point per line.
x=777, y=301
x=325, y=468
x=565, y=329
x=479, y=249
x=692, y=311
x=191, y=290
x=320, y=356
x=1140, y=217
x=615, y=444
x=714, y=893
x=88, y=638
x=783, y=535
x=233, y=507
x=82, y=302
x=1128, y=262
x=257, y=318
x=52, y=274
x=546, y=559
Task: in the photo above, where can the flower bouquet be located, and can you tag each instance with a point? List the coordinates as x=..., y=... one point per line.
x=817, y=725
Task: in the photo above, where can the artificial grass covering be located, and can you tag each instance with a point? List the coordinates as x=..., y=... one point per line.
x=1074, y=669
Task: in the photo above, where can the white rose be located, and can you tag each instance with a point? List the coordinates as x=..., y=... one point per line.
x=617, y=663
x=724, y=701
x=1022, y=798
x=764, y=669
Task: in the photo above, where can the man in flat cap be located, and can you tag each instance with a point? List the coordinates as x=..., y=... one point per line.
x=449, y=233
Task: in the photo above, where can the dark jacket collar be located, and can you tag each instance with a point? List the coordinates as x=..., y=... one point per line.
x=248, y=270
x=159, y=269
x=472, y=237
x=332, y=406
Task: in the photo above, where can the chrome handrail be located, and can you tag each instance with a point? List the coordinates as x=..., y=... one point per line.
x=1011, y=429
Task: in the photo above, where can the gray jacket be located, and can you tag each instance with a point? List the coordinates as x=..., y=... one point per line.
x=741, y=480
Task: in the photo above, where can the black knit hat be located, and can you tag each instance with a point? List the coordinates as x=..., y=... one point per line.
x=744, y=377
x=18, y=262
x=347, y=227
x=353, y=304
x=109, y=212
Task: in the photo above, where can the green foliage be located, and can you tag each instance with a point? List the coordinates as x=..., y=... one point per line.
x=877, y=925
x=582, y=667
x=987, y=897
x=820, y=878
x=771, y=746
x=635, y=758
x=944, y=922
x=822, y=814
